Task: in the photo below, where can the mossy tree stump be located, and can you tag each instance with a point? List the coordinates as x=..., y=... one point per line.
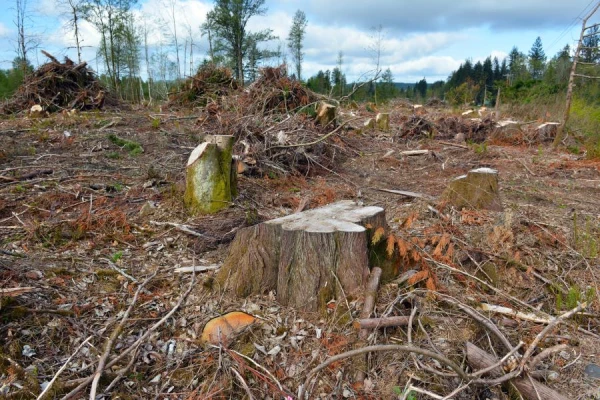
x=308, y=258
x=210, y=179
x=477, y=189
x=383, y=122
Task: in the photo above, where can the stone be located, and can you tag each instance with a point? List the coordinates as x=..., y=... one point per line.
x=592, y=370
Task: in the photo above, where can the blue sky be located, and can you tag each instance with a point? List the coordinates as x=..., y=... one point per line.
x=428, y=38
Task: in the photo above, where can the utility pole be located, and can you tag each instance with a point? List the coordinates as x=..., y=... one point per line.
x=560, y=134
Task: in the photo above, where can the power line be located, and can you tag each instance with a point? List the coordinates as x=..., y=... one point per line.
x=571, y=25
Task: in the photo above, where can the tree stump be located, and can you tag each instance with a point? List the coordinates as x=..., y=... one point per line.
x=477, y=189
x=325, y=113
x=211, y=181
x=383, y=122
x=308, y=258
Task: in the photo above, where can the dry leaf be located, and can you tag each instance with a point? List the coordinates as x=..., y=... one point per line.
x=418, y=277
x=409, y=220
x=391, y=244
x=402, y=247
x=379, y=232
x=222, y=329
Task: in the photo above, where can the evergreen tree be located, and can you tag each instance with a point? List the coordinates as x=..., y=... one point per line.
x=230, y=19
x=589, y=52
x=537, y=59
x=295, y=41
x=517, y=66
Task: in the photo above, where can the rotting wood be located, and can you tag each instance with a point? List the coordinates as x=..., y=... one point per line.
x=368, y=306
x=529, y=388
x=308, y=258
x=414, y=152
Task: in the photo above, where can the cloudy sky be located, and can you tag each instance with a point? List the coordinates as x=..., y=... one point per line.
x=427, y=38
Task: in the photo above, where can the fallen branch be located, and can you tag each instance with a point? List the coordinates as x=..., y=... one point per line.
x=14, y=292
x=113, y=337
x=317, y=140
x=383, y=347
x=529, y=388
x=408, y=194
x=64, y=366
x=367, y=310
x=148, y=332
x=184, y=229
x=197, y=268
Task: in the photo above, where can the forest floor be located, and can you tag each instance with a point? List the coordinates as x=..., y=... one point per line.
x=90, y=206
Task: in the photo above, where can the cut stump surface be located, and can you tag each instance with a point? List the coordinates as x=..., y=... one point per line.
x=308, y=258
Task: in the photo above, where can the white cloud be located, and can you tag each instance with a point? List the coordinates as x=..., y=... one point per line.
x=4, y=31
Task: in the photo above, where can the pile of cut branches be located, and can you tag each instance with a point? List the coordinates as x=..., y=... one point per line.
x=275, y=92
x=57, y=86
x=210, y=83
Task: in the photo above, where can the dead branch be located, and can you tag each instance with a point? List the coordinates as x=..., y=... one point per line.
x=113, y=337
x=61, y=369
x=125, y=352
x=376, y=348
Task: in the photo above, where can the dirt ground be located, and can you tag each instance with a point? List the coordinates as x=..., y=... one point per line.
x=86, y=215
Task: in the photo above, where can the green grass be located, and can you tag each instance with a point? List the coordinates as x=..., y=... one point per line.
x=132, y=147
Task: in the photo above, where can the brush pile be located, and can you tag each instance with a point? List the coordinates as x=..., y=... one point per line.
x=275, y=92
x=208, y=86
x=57, y=86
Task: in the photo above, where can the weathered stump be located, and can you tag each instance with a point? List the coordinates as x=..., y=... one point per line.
x=308, y=258
x=325, y=113
x=477, y=189
x=210, y=179
x=383, y=122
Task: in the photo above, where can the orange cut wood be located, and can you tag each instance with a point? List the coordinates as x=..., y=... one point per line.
x=222, y=329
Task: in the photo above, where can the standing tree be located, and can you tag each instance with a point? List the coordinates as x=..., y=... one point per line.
x=73, y=10
x=170, y=5
x=388, y=88
x=230, y=19
x=517, y=66
x=25, y=41
x=109, y=17
x=537, y=59
x=589, y=46
x=376, y=47
x=295, y=39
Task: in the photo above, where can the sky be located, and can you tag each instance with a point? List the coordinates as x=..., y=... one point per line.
x=420, y=39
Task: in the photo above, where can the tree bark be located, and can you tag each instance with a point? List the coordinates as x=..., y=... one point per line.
x=309, y=258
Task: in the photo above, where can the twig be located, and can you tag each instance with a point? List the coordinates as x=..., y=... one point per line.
x=119, y=270
x=128, y=350
x=242, y=382
x=376, y=348
x=113, y=337
x=64, y=366
x=317, y=140
x=462, y=146
x=546, y=353
x=120, y=373
x=184, y=229
x=546, y=330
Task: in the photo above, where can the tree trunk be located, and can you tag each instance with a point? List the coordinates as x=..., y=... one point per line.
x=309, y=258
x=529, y=388
x=210, y=178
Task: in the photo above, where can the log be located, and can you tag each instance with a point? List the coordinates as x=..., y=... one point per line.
x=308, y=258
x=529, y=388
x=477, y=189
x=210, y=179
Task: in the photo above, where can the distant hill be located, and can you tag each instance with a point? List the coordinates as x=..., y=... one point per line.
x=403, y=85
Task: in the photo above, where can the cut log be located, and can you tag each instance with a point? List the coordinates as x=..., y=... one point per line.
x=383, y=122
x=477, y=189
x=529, y=388
x=210, y=178
x=308, y=258
x=325, y=113
x=547, y=131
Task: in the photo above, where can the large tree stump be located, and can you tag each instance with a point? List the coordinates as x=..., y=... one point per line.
x=308, y=258
x=477, y=189
x=325, y=113
x=210, y=178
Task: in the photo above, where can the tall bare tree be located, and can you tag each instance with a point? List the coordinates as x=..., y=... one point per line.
x=73, y=10
x=376, y=48
x=296, y=39
x=26, y=41
x=171, y=7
